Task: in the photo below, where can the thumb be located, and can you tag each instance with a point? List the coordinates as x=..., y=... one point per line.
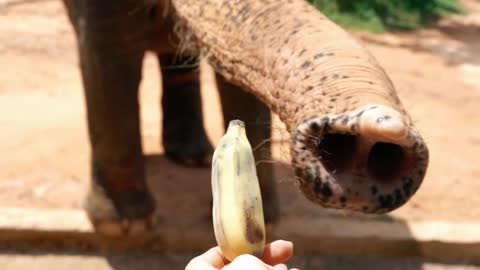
x=250, y=262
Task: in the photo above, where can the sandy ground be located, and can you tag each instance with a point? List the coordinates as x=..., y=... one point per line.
x=45, y=152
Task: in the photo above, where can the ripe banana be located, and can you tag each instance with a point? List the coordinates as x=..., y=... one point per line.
x=237, y=212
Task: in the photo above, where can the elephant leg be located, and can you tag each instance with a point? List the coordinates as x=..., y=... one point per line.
x=184, y=137
x=111, y=83
x=238, y=104
x=118, y=201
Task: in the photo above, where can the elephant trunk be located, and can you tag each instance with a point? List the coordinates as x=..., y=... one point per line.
x=353, y=145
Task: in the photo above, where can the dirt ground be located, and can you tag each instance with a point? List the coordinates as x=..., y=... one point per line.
x=43, y=142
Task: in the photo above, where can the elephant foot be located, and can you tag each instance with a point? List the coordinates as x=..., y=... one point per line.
x=196, y=152
x=184, y=138
x=132, y=216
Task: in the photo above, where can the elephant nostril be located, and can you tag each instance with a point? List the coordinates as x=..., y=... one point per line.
x=386, y=161
x=341, y=153
x=335, y=151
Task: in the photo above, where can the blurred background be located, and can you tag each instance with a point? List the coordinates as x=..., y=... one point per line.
x=430, y=48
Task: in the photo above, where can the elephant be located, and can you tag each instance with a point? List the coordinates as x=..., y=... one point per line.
x=353, y=145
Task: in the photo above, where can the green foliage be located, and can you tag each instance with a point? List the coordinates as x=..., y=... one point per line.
x=382, y=15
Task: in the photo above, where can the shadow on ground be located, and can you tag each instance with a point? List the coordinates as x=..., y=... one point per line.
x=462, y=47
x=455, y=41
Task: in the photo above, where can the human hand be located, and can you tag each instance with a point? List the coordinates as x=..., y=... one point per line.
x=274, y=255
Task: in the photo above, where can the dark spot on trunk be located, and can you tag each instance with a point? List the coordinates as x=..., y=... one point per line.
x=386, y=202
x=407, y=186
x=414, y=146
x=314, y=127
x=306, y=64
x=398, y=196
x=318, y=56
x=323, y=189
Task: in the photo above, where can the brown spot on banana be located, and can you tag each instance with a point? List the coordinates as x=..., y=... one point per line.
x=253, y=230
x=349, y=129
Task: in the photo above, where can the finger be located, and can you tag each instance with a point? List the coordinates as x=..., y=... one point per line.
x=198, y=264
x=280, y=267
x=213, y=259
x=277, y=252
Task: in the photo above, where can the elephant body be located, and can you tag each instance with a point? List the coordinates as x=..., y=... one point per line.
x=113, y=37
x=353, y=145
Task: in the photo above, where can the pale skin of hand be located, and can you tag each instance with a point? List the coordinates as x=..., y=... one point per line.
x=274, y=255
